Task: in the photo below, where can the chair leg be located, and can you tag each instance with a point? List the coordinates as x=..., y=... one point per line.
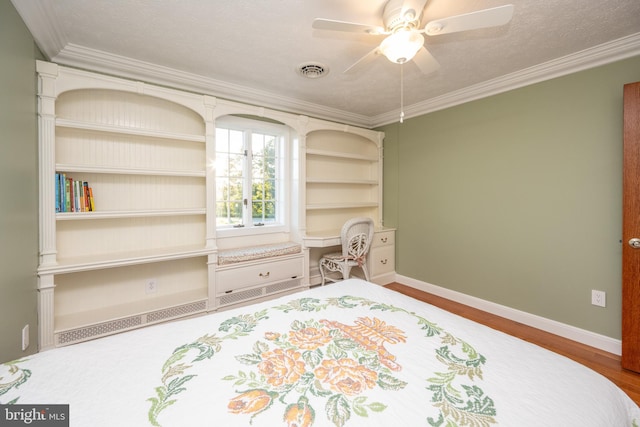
x=322, y=274
x=365, y=270
x=346, y=272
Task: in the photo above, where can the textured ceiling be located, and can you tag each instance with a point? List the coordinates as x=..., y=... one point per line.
x=249, y=50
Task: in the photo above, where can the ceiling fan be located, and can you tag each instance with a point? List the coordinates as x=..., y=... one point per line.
x=405, y=40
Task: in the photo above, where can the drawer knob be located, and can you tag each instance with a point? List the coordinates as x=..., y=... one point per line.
x=383, y=239
x=264, y=275
x=383, y=261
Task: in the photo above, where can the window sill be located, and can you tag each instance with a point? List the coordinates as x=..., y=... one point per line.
x=251, y=231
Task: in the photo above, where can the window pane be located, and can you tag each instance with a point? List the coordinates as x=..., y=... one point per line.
x=222, y=164
x=257, y=168
x=257, y=211
x=235, y=189
x=257, y=190
x=269, y=190
x=222, y=140
x=270, y=167
x=228, y=213
x=270, y=145
x=257, y=144
x=236, y=165
x=222, y=189
x=236, y=141
x=222, y=213
x=269, y=212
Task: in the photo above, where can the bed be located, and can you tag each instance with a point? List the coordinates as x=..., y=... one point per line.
x=347, y=354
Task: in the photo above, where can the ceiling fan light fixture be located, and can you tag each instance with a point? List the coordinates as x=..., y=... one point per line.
x=402, y=45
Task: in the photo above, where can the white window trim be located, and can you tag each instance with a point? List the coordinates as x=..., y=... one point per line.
x=284, y=207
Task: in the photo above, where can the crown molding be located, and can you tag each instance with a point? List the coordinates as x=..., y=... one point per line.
x=37, y=18
x=78, y=56
x=606, y=53
x=99, y=61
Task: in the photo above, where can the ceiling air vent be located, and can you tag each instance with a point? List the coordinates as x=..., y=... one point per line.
x=312, y=70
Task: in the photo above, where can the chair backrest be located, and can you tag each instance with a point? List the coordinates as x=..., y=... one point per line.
x=356, y=237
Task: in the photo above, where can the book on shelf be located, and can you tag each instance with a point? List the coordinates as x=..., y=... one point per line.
x=73, y=195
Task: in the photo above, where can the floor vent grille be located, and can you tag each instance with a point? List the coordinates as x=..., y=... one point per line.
x=236, y=297
x=73, y=336
x=90, y=332
x=180, y=311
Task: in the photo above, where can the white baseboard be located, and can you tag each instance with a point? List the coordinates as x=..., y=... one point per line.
x=583, y=336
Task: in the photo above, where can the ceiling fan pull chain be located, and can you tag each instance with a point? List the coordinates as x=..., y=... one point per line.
x=401, y=93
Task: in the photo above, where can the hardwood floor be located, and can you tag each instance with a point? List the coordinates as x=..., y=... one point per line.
x=600, y=361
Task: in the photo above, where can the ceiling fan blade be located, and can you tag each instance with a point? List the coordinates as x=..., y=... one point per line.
x=471, y=21
x=352, y=27
x=364, y=61
x=425, y=61
x=417, y=6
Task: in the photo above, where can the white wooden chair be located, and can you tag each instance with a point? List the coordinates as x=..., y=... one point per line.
x=356, y=237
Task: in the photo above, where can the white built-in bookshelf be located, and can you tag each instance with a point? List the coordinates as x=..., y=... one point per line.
x=146, y=250
x=343, y=179
x=142, y=254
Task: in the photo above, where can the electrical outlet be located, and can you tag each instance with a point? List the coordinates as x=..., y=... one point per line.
x=25, y=337
x=598, y=298
x=151, y=287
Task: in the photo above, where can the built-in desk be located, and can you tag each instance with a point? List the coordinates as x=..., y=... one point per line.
x=381, y=259
x=322, y=239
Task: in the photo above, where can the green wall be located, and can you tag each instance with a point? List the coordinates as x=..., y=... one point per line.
x=516, y=198
x=18, y=184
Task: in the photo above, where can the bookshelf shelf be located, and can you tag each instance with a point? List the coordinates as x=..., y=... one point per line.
x=100, y=262
x=108, y=128
x=75, y=216
x=342, y=155
x=331, y=206
x=128, y=171
x=327, y=181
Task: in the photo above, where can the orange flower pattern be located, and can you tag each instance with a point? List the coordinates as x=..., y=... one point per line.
x=309, y=338
x=299, y=414
x=251, y=402
x=281, y=367
x=346, y=376
x=321, y=359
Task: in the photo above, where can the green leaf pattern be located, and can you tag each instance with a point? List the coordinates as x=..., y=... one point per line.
x=17, y=377
x=205, y=347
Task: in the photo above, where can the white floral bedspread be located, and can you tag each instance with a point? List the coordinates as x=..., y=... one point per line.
x=347, y=354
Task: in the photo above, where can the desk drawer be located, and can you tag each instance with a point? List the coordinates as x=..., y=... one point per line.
x=259, y=273
x=382, y=260
x=383, y=238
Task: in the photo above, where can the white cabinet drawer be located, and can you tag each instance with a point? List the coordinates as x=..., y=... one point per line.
x=383, y=238
x=382, y=260
x=260, y=273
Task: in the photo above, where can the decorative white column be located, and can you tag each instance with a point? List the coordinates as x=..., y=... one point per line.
x=380, y=145
x=46, y=338
x=210, y=155
x=47, y=74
